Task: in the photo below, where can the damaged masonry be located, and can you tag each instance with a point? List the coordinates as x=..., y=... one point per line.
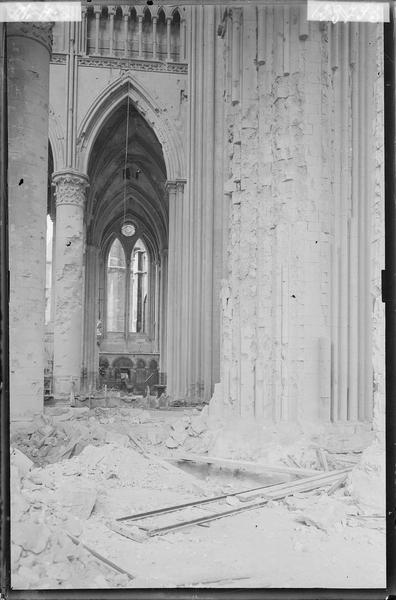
x=196, y=238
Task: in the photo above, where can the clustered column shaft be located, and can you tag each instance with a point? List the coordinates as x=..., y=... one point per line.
x=69, y=254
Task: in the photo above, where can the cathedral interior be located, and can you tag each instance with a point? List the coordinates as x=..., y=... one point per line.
x=196, y=230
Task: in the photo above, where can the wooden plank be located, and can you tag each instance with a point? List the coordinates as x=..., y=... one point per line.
x=243, y=464
x=100, y=557
x=170, y=509
x=270, y=492
x=322, y=458
x=305, y=485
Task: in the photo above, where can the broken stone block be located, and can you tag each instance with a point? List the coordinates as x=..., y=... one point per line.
x=189, y=444
x=21, y=461
x=74, y=526
x=366, y=482
x=179, y=436
x=78, y=497
x=98, y=433
x=46, y=430
x=198, y=425
x=171, y=443
x=32, y=537
x=324, y=513
x=112, y=437
x=154, y=437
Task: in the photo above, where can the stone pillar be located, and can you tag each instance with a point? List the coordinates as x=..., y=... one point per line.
x=28, y=48
x=83, y=46
x=183, y=39
x=126, y=17
x=163, y=309
x=200, y=249
x=140, y=34
x=98, y=12
x=70, y=200
x=91, y=316
x=171, y=340
x=154, y=38
x=168, y=37
x=112, y=11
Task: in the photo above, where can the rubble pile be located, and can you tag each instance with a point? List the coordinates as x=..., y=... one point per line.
x=75, y=470
x=42, y=553
x=191, y=433
x=366, y=482
x=64, y=432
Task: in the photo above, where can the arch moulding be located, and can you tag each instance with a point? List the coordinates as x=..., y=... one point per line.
x=56, y=137
x=108, y=101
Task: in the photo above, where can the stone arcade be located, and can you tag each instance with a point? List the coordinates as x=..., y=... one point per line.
x=252, y=184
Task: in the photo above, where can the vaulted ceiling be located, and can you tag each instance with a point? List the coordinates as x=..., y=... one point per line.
x=141, y=196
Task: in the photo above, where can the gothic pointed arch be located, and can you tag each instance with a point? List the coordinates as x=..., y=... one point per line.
x=112, y=97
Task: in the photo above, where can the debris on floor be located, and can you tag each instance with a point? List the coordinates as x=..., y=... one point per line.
x=76, y=473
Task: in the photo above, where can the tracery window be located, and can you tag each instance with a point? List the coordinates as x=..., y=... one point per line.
x=116, y=286
x=127, y=288
x=138, y=288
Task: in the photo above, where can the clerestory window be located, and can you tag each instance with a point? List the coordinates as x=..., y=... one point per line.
x=127, y=288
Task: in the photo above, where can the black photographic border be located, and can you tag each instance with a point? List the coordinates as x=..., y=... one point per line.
x=389, y=298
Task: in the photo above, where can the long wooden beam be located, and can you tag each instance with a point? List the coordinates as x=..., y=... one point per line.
x=243, y=464
x=304, y=486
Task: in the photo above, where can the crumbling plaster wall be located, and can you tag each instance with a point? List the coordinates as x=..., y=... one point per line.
x=296, y=301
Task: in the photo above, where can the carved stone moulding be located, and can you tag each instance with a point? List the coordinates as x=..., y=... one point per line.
x=124, y=64
x=70, y=187
x=41, y=32
x=136, y=65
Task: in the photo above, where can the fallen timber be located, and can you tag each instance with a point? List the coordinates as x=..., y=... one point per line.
x=242, y=464
x=267, y=493
x=100, y=557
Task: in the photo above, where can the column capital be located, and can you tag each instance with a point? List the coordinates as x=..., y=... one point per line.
x=40, y=32
x=70, y=187
x=97, y=9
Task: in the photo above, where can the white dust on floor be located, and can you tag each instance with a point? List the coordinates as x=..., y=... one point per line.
x=312, y=541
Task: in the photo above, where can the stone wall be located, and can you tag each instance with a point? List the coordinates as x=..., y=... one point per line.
x=304, y=129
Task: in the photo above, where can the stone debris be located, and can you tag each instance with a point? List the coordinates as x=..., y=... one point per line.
x=323, y=512
x=21, y=462
x=78, y=499
x=191, y=434
x=366, y=482
x=98, y=473
x=42, y=554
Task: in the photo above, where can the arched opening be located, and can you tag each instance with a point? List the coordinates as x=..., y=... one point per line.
x=138, y=274
x=175, y=36
x=127, y=239
x=49, y=279
x=116, y=287
x=161, y=35
x=147, y=34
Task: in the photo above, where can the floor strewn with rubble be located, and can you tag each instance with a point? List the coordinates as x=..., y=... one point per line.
x=75, y=471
